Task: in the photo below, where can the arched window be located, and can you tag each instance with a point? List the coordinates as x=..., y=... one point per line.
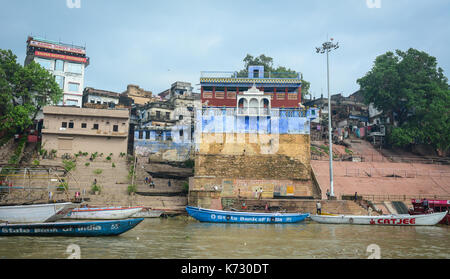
x=242, y=106
x=254, y=106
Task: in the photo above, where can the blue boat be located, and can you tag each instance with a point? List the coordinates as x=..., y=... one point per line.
x=96, y=228
x=220, y=216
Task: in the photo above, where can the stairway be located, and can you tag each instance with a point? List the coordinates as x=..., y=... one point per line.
x=7, y=150
x=400, y=207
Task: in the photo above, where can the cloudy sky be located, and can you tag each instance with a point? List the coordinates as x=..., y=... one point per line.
x=154, y=43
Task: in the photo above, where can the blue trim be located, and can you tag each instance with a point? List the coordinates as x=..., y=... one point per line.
x=220, y=216
x=97, y=228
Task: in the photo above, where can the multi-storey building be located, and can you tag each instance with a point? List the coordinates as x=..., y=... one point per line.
x=225, y=89
x=71, y=129
x=138, y=95
x=98, y=96
x=241, y=151
x=165, y=129
x=66, y=62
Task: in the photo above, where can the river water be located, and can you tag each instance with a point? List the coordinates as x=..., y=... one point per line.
x=185, y=238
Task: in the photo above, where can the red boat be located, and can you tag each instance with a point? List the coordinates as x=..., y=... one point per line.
x=434, y=206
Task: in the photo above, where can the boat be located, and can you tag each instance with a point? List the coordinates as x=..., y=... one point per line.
x=433, y=206
x=392, y=220
x=220, y=216
x=35, y=213
x=148, y=213
x=86, y=228
x=103, y=213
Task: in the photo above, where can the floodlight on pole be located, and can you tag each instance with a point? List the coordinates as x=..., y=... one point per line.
x=326, y=48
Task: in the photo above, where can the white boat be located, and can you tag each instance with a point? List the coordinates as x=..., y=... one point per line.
x=388, y=220
x=148, y=213
x=103, y=213
x=35, y=213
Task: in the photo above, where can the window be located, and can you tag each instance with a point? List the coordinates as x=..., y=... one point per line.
x=115, y=128
x=45, y=63
x=74, y=68
x=181, y=133
x=74, y=87
x=83, y=125
x=71, y=102
x=60, y=81
x=95, y=127
x=159, y=135
x=59, y=65
x=70, y=125
x=158, y=114
x=147, y=134
x=141, y=134
x=180, y=117
x=64, y=125
x=168, y=115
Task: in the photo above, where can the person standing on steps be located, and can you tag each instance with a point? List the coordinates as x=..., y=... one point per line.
x=318, y=208
x=169, y=183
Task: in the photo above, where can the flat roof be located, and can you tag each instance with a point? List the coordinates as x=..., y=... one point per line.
x=76, y=111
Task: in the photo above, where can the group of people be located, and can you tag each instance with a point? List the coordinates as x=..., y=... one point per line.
x=148, y=181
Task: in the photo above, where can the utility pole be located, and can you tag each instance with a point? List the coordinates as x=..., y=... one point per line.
x=326, y=48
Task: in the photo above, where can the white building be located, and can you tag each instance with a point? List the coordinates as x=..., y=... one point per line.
x=98, y=96
x=66, y=62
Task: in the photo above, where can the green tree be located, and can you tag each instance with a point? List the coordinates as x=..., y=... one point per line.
x=410, y=86
x=279, y=72
x=24, y=91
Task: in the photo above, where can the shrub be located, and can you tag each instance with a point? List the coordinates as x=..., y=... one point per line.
x=87, y=164
x=96, y=188
x=132, y=188
x=69, y=165
x=64, y=186
x=108, y=158
x=98, y=171
x=113, y=165
x=36, y=162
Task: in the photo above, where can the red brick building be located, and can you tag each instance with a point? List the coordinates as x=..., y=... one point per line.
x=221, y=89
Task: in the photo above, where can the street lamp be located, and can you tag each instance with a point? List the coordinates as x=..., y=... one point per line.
x=326, y=48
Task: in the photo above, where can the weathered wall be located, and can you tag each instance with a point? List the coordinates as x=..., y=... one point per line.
x=249, y=188
x=242, y=164
x=74, y=144
x=254, y=156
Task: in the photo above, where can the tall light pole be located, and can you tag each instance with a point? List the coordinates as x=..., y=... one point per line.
x=326, y=48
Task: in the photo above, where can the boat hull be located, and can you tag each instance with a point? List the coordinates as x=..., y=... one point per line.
x=148, y=214
x=96, y=228
x=384, y=220
x=36, y=213
x=219, y=216
x=104, y=213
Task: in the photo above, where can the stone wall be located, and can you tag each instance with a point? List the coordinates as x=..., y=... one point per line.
x=244, y=165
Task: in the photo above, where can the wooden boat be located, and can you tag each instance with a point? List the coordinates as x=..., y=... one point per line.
x=92, y=228
x=35, y=213
x=220, y=216
x=148, y=213
x=103, y=213
x=392, y=220
x=433, y=206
